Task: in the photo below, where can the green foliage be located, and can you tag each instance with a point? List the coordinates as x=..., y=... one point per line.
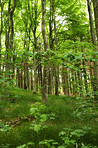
x=37, y=110
x=84, y=109
x=29, y=144
x=46, y=122
x=38, y=123
x=72, y=138
x=4, y=145
x=4, y=128
x=48, y=143
x=5, y=85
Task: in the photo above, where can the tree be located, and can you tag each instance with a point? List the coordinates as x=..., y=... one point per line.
x=45, y=77
x=1, y=30
x=89, y=4
x=95, y=4
x=55, y=38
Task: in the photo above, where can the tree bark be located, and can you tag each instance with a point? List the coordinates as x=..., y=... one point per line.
x=51, y=67
x=65, y=81
x=45, y=75
x=1, y=30
x=55, y=37
x=95, y=4
x=91, y=22
x=34, y=14
x=11, y=12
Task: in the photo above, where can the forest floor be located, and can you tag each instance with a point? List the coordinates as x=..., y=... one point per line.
x=76, y=117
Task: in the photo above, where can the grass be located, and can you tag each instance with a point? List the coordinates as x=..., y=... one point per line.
x=15, y=112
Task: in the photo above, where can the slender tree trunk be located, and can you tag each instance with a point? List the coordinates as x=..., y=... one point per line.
x=91, y=22
x=67, y=85
x=18, y=78
x=70, y=82
x=80, y=83
x=55, y=36
x=31, y=78
x=27, y=59
x=76, y=84
x=9, y=29
x=91, y=69
x=95, y=4
x=64, y=80
x=34, y=14
x=51, y=70
x=40, y=74
x=11, y=12
x=73, y=83
x=25, y=78
x=7, y=40
x=21, y=73
x=1, y=30
x=45, y=76
x=49, y=81
x=35, y=65
x=85, y=76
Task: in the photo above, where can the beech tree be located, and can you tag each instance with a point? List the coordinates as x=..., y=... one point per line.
x=46, y=46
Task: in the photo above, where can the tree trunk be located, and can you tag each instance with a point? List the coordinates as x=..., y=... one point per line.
x=80, y=83
x=85, y=76
x=25, y=78
x=21, y=72
x=51, y=70
x=33, y=12
x=1, y=30
x=45, y=76
x=64, y=80
x=40, y=74
x=35, y=65
x=7, y=39
x=11, y=12
x=35, y=47
x=91, y=22
x=55, y=37
x=31, y=78
x=95, y=4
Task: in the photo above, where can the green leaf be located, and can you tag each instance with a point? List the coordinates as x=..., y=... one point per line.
x=22, y=146
x=61, y=147
x=62, y=133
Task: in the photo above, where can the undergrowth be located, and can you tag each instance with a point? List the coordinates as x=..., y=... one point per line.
x=64, y=122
